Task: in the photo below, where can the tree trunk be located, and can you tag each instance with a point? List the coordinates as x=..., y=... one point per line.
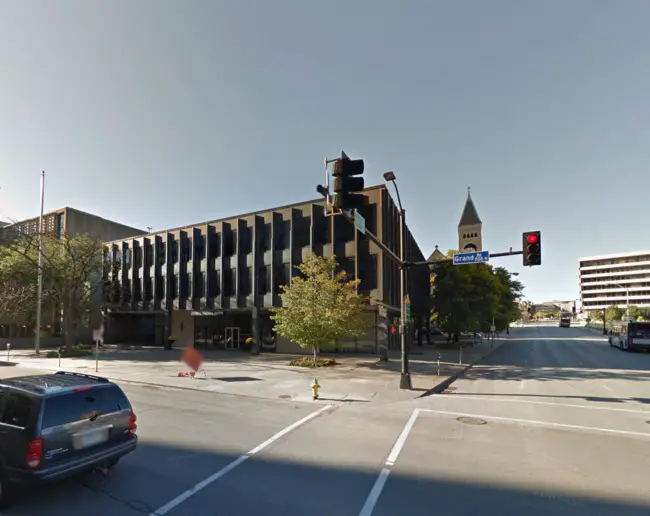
x=315, y=349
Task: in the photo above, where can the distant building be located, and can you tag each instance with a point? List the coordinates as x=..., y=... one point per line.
x=62, y=222
x=612, y=279
x=565, y=306
x=211, y=284
x=70, y=222
x=470, y=228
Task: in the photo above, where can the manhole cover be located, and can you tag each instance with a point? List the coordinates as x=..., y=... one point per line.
x=471, y=420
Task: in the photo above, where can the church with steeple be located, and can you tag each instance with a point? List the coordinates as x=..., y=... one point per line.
x=470, y=228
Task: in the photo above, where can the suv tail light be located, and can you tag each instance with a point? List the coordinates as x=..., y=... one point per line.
x=34, y=456
x=132, y=424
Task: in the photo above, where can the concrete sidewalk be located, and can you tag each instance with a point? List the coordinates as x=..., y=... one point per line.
x=357, y=378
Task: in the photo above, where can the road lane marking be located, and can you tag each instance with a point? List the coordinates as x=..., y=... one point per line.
x=533, y=402
x=371, y=501
x=399, y=444
x=542, y=423
x=227, y=469
x=377, y=488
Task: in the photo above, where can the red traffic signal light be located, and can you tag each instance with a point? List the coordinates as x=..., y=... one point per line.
x=532, y=243
x=393, y=330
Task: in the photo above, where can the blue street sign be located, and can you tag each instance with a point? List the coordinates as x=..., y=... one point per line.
x=478, y=257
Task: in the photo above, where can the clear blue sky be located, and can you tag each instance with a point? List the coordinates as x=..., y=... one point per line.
x=161, y=113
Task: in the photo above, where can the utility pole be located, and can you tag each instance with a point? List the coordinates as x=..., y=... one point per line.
x=39, y=291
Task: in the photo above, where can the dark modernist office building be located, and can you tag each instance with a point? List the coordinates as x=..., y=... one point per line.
x=211, y=285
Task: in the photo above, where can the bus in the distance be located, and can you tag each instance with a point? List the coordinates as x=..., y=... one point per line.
x=565, y=320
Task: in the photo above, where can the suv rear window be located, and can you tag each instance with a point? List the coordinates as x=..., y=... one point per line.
x=73, y=406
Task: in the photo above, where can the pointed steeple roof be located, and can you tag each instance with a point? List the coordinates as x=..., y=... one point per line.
x=470, y=215
x=436, y=255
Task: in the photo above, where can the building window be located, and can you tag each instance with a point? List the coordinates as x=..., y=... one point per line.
x=137, y=290
x=214, y=248
x=283, y=276
x=246, y=282
x=199, y=250
x=174, y=286
x=174, y=251
x=186, y=251
x=265, y=279
x=302, y=232
x=368, y=273
x=148, y=292
x=230, y=246
x=266, y=232
x=199, y=285
x=229, y=279
x=214, y=285
x=161, y=253
x=160, y=287
x=282, y=235
x=186, y=282
x=247, y=240
x=127, y=257
x=148, y=256
x=343, y=230
x=138, y=257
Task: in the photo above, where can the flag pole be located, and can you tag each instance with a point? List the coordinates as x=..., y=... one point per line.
x=39, y=292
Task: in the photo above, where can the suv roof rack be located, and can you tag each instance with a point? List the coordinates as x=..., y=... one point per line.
x=86, y=376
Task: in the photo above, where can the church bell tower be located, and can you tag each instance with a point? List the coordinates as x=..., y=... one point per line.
x=470, y=228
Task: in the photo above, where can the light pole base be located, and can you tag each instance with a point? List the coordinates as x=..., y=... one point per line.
x=405, y=381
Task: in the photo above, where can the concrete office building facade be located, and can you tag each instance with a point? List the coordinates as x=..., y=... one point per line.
x=66, y=222
x=211, y=285
x=609, y=279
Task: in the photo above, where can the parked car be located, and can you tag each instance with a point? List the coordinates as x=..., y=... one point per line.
x=57, y=425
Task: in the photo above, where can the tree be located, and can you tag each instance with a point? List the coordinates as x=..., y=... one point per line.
x=72, y=272
x=613, y=313
x=634, y=311
x=321, y=306
x=469, y=297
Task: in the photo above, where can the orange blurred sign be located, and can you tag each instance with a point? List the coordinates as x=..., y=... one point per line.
x=192, y=358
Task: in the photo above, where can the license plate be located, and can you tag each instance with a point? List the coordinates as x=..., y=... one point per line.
x=92, y=438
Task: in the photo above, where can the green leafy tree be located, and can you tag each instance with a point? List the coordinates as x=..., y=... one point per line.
x=321, y=306
x=635, y=312
x=469, y=297
x=613, y=313
x=72, y=272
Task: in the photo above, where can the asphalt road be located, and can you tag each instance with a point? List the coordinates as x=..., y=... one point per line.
x=556, y=422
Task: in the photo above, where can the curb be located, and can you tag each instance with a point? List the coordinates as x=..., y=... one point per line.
x=444, y=385
x=5, y=363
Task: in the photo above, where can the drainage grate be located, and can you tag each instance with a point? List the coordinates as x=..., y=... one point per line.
x=284, y=396
x=449, y=389
x=471, y=420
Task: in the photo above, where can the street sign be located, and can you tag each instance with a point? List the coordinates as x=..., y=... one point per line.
x=359, y=222
x=478, y=257
x=98, y=335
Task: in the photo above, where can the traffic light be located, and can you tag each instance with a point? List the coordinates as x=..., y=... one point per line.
x=532, y=242
x=346, y=185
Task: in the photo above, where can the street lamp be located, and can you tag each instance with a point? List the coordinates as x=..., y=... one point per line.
x=405, y=378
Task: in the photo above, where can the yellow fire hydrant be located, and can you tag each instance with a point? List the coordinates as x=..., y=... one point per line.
x=315, y=387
